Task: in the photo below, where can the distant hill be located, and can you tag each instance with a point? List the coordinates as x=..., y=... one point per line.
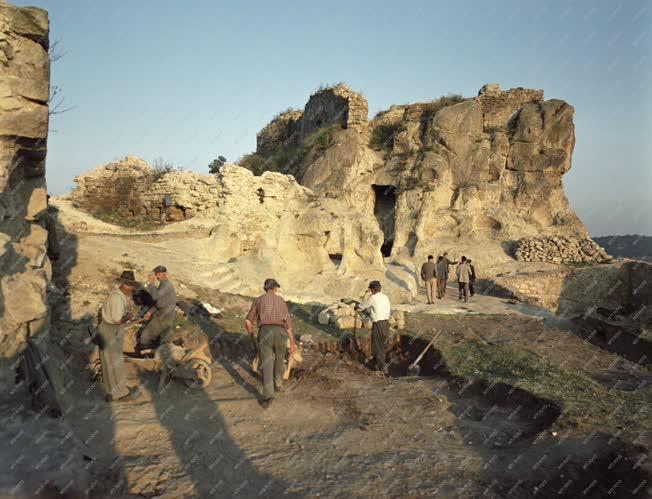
x=629, y=246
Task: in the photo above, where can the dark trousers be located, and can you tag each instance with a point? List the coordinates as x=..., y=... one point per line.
x=379, y=333
x=159, y=329
x=441, y=288
x=471, y=287
x=272, y=346
x=464, y=290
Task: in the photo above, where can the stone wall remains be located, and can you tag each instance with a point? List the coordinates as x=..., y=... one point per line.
x=338, y=104
x=280, y=131
x=25, y=269
x=131, y=188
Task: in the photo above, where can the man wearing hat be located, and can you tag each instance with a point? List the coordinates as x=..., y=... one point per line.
x=379, y=309
x=161, y=325
x=270, y=313
x=110, y=335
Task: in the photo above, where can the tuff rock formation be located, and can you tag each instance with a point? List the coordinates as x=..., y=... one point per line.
x=486, y=168
x=336, y=192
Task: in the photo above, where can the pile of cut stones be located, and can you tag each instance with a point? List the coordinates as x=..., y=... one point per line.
x=560, y=249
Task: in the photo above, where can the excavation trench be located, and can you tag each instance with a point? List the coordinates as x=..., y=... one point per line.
x=518, y=413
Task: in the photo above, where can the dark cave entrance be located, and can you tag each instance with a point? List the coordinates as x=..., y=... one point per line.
x=385, y=212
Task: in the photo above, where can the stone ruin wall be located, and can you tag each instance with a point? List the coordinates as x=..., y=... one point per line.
x=281, y=130
x=131, y=188
x=334, y=105
x=25, y=269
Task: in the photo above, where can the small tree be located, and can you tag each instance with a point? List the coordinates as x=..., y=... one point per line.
x=215, y=165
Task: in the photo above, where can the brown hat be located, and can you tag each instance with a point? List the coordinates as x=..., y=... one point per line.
x=127, y=277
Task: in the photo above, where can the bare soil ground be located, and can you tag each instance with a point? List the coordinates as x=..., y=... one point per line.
x=490, y=426
x=508, y=406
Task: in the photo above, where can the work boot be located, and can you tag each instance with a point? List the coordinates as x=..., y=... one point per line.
x=266, y=404
x=278, y=388
x=134, y=394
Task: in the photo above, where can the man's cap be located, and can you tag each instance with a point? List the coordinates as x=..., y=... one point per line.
x=374, y=285
x=270, y=284
x=159, y=269
x=127, y=277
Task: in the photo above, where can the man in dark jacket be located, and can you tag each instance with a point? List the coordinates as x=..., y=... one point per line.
x=161, y=326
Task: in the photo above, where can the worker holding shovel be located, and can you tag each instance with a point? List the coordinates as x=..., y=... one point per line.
x=379, y=309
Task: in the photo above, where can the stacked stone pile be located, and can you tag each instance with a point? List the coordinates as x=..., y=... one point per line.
x=560, y=249
x=341, y=316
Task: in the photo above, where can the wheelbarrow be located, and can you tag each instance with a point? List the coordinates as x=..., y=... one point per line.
x=190, y=365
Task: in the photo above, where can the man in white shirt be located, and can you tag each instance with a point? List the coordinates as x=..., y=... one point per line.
x=379, y=310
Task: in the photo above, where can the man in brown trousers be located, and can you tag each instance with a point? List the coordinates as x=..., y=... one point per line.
x=270, y=313
x=428, y=277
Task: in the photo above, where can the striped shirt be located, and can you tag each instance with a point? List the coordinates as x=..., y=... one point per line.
x=269, y=310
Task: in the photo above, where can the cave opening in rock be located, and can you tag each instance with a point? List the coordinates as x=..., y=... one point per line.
x=385, y=212
x=336, y=258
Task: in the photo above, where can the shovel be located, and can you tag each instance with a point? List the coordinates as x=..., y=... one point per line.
x=414, y=369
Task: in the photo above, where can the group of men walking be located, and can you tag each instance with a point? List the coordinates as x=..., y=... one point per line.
x=435, y=277
x=116, y=313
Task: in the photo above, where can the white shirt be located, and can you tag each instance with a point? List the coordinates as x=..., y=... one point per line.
x=378, y=305
x=115, y=306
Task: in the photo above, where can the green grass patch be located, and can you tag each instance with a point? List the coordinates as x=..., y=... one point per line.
x=583, y=400
x=289, y=158
x=136, y=223
x=382, y=136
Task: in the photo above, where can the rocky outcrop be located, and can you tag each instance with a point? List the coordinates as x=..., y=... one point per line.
x=618, y=289
x=560, y=249
x=275, y=218
x=456, y=172
x=466, y=175
x=24, y=88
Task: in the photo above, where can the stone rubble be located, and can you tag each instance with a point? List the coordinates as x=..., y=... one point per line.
x=340, y=315
x=560, y=250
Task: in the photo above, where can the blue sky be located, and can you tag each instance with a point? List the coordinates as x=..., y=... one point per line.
x=188, y=81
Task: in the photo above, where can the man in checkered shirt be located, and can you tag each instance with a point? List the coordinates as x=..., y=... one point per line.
x=270, y=313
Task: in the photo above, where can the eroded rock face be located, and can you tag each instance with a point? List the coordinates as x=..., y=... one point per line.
x=475, y=173
x=24, y=88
